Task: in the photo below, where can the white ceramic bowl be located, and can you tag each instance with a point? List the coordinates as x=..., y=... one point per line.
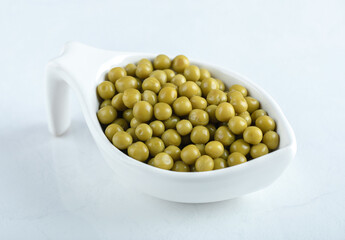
x=82, y=68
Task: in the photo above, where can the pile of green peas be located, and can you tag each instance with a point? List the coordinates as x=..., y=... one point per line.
x=176, y=116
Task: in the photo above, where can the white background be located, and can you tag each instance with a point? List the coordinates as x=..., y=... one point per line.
x=61, y=188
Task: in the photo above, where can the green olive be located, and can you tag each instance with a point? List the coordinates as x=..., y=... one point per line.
x=143, y=132
x=111, y=129
x=216, y=96
x=224, y=135
x=171, y=122
x=180, y=166
x=162, y=111
x=125, y=83
x=178, y=80
x=171, y=137
x=200, y=134
x=204, y=73
x=265, y=123
x=184, y=127
x=224, y=112
x=130, y=69
x=214, y=149
x=192, y=73
x=190, y=154
x=220, y=163
x=189, y=89
x=122, y=140
x=106, y=90
x=198, y=117
x=160, y=75
x=117, y=102
x=182, y=106
x=207, y=85
x=152, y=84
x=107, y=114
x=116, y=73
x=155, y=146
x=143, y=111
x=179, y=63
x=237, y=125
x=149, y=97
x=258, y=150
x=174, y=152
x=167, y=95
x=163, y=160
x=143, y=70
x=271, y=139
x=240, y=89
x=122, y=122
x=258, y=113
x=130, y=97
x=162, y=62
x=158, y=128
x=252, y=135
x=204, y=163
x=236, y=158
x=253, y=104
x=198, y=102
x=240, y=146
x=138, y=151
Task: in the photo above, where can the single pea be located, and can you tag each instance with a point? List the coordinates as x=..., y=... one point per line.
x=167, y=95
x=180, y=166
x=221, y=85
x=171, y=137
x=143, y=111
x=240, y=146
x=204, y=163
x=246, y=116
x=116, y=73
x=253, y=104
x=211, y=110
x=145, y=61
x=224, y=135
x=106, y=114
x=225, y=154
x=184, y=127
x=190, y=154
x=192, y=73
x=111, y=129
x=143, y=131
x=128, y=115
x=189, y=89
x=162, y=62
x=149, y=97
x=207, y=85
x=134, y=123
x=265, y=123
x=182, y=106
x=198, y=102
x=237, y=125
x=122, y=122
x=158, y=128
x=200, y=134
x=130, y=69
x=271, y=139
x=106, y=90
x=258, y=150
x=131, y=131
x=162, y=111
x=238, y=102
x=252, y=135
x=125, y=83
x=160, y=75
x=139, y=84
x=224, y=112
x=204, y=73
x=105, y=103
x=220, y=163
x=163, y=161
x=214, y=149
x=122, y=140
x=179, y=63
x=152, y=84
x=201, y=148
x=169, y=84
x=171, y=122
x=240, y=89
x=174, y=152
x=117, y=102
x=212, y=129
x=215, y=97
x=150, y=162
x=130, y=97
x=178, y=80
x=198, y=117
x=155, y=146
x=258, y=113
x=236, y=158
x=170, y=74
x=143, y=70
x=138, y=151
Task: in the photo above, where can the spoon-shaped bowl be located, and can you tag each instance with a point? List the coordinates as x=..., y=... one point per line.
x=82, y=68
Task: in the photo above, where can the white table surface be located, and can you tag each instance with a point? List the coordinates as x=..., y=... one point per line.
x=61, y=188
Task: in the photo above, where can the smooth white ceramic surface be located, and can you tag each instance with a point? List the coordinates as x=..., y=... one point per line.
x=61, y=188
x=82, y=67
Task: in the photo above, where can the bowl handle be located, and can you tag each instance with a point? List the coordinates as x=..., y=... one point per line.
x=77, y=67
